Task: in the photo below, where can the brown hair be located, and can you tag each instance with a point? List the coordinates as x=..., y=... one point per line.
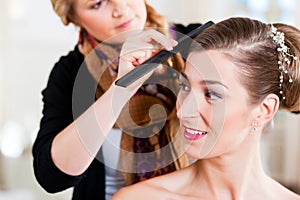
x=248, y=44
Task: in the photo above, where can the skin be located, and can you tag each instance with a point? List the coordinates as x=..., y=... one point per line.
x=207, y=103
x=107, y=18
x=227, y=158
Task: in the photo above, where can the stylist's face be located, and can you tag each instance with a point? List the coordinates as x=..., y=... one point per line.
x=107, y=18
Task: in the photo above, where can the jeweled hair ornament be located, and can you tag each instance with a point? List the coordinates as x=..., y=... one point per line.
x=278, y=38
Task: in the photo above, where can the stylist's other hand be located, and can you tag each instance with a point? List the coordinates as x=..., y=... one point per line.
x=140, y=47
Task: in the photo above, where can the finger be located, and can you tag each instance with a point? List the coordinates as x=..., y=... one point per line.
x=134, y=54
x=142, y=59
x=131, y=60
x=137, y=49
x=150, y=36
x=134, y=46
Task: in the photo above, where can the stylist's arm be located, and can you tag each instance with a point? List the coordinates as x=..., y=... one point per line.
x=80, y=141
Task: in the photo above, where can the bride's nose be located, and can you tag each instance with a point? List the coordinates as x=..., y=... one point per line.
x=188, y=106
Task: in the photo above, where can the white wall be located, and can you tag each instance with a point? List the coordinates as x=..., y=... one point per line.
x=31, y=40
x=190, y=11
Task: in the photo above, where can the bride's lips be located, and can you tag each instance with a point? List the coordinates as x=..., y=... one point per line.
x=125, y=24
x=193, y=134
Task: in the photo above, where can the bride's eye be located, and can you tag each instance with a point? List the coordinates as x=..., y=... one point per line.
x=185, y=87
x=213, y=95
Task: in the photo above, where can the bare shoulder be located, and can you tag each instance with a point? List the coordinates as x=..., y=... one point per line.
x=287, y=194
x=161, y=187
x=181, y=178
x=124, y=193
x=281, y=192
x=143, y=190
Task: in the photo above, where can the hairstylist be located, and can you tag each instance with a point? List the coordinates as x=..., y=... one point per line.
x=75, y=143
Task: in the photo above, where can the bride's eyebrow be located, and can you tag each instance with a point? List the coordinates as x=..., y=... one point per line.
x=212, y=82
x=206, y=82
x=184, y=75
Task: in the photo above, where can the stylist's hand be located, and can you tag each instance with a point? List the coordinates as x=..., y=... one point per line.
x=140, y=47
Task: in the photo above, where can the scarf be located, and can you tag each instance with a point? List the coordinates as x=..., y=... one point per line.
x=149, y=146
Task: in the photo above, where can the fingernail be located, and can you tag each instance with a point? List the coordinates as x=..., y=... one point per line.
x=169, y=48
x=174, y=42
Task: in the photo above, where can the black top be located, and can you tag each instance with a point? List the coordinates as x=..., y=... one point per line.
x=58, y=113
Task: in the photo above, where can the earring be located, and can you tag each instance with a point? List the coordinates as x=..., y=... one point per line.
x=254, y=126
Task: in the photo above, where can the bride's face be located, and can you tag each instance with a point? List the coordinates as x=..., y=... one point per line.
x=212, y=105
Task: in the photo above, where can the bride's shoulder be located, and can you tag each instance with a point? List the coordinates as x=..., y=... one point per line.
x=287, y=194
x=143, y=190
x=281, y=192
x=162, y=187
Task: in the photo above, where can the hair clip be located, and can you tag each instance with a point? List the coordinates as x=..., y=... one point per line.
x=278, y=38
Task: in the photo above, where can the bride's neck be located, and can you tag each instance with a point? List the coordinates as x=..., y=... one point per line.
x=233, y=173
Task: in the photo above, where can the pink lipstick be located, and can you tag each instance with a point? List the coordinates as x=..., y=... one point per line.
x=193, y=134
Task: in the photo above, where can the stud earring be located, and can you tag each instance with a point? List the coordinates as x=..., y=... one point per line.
x=254, y=126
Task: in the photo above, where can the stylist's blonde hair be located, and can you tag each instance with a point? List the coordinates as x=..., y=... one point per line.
x=64, y=9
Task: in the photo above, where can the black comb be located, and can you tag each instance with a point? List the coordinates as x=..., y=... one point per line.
x=160, y=57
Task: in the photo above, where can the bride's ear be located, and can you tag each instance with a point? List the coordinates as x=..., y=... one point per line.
x=268, y=108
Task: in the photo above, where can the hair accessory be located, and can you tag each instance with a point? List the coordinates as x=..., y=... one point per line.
x=278, y=38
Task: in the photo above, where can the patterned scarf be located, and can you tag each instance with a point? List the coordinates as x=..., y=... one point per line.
x=149, y=146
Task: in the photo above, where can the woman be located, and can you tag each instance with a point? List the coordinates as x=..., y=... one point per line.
x=77, y=118
x=237, y=76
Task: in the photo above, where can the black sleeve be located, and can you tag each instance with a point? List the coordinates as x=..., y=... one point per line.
x=57, y=114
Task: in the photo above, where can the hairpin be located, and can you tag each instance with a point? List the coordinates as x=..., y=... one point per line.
x=278, y=38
